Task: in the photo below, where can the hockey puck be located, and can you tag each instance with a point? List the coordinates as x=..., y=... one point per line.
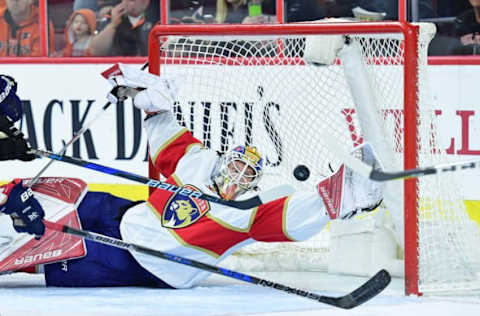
x=301, y=172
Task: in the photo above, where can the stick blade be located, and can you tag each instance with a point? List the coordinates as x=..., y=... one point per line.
x=364, y=293
x=381, y=176
x=406, y=174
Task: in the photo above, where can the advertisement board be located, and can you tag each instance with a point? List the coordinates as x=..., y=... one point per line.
x=60, y=98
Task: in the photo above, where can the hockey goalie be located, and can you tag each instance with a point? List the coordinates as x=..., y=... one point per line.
x=181, y=225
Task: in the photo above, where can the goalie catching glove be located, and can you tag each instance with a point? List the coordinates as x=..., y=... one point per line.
x=159, y=97
x=23, y=208
x=149, y=92
x=121, y=93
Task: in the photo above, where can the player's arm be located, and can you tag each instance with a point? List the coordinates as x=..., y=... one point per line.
x=296, y=217
x=12, y=143
x=18, y=201
x=101, y=43
x=168, y=142
x=301, y=215
x=155, y=95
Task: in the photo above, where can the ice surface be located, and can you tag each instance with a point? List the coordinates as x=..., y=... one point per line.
x=25, y=294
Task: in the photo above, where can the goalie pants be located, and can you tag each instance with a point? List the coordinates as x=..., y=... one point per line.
x=103, y=265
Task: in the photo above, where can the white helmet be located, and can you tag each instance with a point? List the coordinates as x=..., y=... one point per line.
x=237, y=172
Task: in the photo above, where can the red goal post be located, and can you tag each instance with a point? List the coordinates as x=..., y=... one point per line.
x=408, y=53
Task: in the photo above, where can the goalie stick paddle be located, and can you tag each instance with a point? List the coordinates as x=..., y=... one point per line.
x=262, y=198
x=75, y=137
x=365, y=292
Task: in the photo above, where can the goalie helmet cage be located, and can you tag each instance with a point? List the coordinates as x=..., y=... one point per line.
x=255, y=85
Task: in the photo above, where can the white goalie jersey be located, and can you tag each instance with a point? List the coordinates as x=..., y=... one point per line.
x=200, y=230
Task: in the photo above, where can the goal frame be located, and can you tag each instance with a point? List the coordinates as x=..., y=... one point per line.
x=410, y=33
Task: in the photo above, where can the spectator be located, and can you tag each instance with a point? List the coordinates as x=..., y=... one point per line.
x=467, y=30
x=451, y=8
x=390, y=7
x=192, y=11
x=85, y=4
x=101, y=7
x=105, y=8
x=300, y=10
x=20, y=29
x=125, y=32
x=79, y=31
x=237, y=11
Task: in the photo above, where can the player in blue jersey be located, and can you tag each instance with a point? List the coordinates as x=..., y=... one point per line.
x=14, y=146
x=12, y=143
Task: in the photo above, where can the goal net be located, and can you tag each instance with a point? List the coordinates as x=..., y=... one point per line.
x=263, y=85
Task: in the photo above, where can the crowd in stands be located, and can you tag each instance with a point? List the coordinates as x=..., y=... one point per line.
x=121, y=27
x=19, y=29
x=467, y=30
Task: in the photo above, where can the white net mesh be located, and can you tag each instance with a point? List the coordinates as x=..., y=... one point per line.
x=449, y=259
x=259, y=90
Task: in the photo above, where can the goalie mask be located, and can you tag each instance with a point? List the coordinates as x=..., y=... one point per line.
x=237, y=172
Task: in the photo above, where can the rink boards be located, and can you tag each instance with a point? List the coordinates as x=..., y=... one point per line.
x=58, y=96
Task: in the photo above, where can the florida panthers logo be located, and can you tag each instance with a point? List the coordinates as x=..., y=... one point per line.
x=182, y=211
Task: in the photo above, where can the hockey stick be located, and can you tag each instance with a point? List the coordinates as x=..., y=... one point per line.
x=365, y=292
x=378, y=175
x=262, y=198
x=382, y=176
x=75, y=137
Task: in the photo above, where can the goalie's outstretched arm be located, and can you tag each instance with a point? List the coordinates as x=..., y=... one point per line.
x=168, y=141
